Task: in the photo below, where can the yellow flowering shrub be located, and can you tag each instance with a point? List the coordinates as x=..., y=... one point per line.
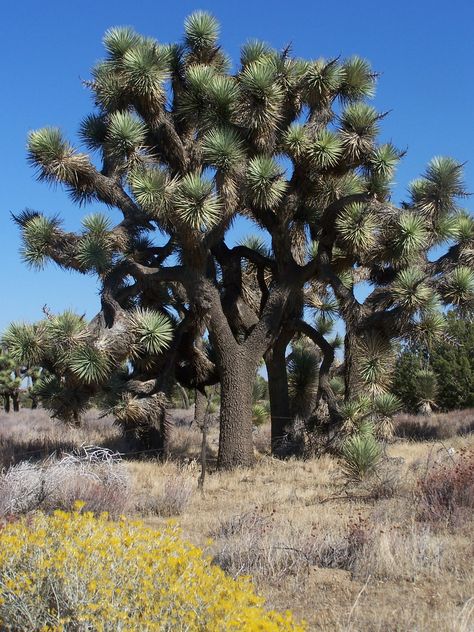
x=74, y=571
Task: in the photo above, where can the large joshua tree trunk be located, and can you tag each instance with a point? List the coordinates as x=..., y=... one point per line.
x=16, y=402
x=237, y=364
x=237, y=374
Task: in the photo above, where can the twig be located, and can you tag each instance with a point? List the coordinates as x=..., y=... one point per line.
x=354, y=605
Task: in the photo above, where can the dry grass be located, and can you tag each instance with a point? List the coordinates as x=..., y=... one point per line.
x=435, y=427
x=359, y=559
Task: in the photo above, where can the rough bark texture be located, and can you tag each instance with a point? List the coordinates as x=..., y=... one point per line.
x=235, y=439
x=275, y=361
x=349, y=366
x=16, y=402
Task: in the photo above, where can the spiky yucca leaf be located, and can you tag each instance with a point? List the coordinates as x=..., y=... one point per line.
x=201, y=30
x=118, y=40
x=55, y=159
x=259, y=80
x=253, y=51
x=358, y=130
x=387, y=405
x=323, y=324
x=411, y=236
x=357, y=227
x=223, y=94
x=464, y=231
x=265, y=182
x=89, y=364
x=337, y=385
x=337, y=341
x=93, y=131
x=153, y=331
x=153, y=190
x=441, y=185
x=196, y=203
x=358, y=81
x=25, y=343
x=360, y=456
x=255, y=242
x=97, y=224
x=66, y=330
x=326, y=149
x=39, y=235
x=145, y=69
x=353, y=413
x=295, y=140
x=458, y=287
x=322, y=80
x=446, y=227
x=303, y=370
x=195, y=102
x=326, y=305
x=223, y=148
x=108, y=87
x=262, y=95
x=426, y=387
x=125, y=134
x=260, y=414
x=361, y=119
x=94, y=253
x=384, y=159
x=410, y=289
x=24, y=217
x=375, y=360
x=430, y=328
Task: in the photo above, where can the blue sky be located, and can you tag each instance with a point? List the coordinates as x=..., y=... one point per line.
x=422, y=49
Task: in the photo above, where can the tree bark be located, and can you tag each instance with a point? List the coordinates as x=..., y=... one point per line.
x=349, y=365
x=236, y=437
x=275, y=361
x=16, y=402
x=6, y=403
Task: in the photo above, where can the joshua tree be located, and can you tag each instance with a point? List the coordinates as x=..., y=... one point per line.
x=10, y=382
x=185, y=147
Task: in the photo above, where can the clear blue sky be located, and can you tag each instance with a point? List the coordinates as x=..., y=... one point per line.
x=423, y=49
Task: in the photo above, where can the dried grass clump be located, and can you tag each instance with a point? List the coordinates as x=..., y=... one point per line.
x=32, y=435
x=92, y=475
x=173, y=499
x=446, y=492
x=271, y=548
x=390, y=552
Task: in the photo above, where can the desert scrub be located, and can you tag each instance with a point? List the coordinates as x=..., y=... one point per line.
x=74, y=571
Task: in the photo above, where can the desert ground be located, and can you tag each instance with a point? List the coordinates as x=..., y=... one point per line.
x=391, y=553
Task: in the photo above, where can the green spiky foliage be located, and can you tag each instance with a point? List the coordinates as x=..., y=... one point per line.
x=303, y=369
x=449, y=357
x=77, y=363
x=260, y=414
x=360, y=457
x=385, y=406
x=426, y=386
x=375, y=363
x=188, y=145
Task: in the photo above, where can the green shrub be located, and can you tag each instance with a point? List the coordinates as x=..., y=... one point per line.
x=360, y=456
